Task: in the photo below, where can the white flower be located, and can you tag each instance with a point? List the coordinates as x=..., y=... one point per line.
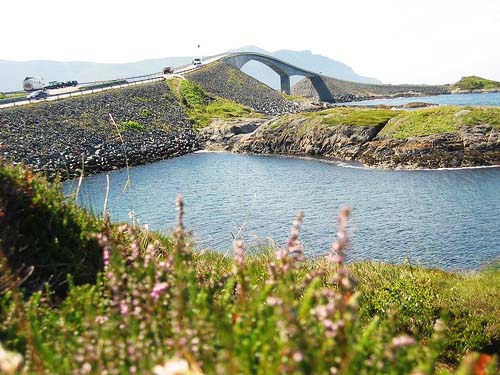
x=9, y=361
x=174, y=366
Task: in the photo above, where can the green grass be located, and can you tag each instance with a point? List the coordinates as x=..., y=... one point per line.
x=141, y=99
x=131, y=125
x=236, y=77
x=145, y=112
x=12, y=95
x=476, y=83
x=355, y=116
x=439, y=120
x=201, y=108
x=158, y=299
x=294, y=98
x=38, y=227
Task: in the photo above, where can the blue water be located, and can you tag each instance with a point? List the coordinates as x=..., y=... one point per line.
x=439, y=218
x=489, y=99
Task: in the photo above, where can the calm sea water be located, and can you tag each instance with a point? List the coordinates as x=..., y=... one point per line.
x=490, y=99
x=440, y=218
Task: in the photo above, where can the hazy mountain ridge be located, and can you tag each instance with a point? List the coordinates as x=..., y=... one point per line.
x=303, y=59
x=12, y=73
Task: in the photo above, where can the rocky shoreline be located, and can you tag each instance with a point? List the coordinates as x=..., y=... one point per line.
x=76, y=136
x=469, y=147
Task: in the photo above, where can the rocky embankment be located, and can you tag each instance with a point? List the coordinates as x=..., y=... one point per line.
x=346, y=91
x=369, y=138
x=76, y=134
x=470, y=147
x=230, y=83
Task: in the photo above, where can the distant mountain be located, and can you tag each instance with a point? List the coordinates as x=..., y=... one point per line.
x=12, y=73
x=302, y=59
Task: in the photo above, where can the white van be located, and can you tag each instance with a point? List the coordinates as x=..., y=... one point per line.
x=197, y=61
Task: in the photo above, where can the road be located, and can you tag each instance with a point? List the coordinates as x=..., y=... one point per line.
x=67, y=92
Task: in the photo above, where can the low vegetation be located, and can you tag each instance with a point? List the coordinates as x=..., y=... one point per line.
x=158, y=304
x=12, y=95
x=132, y=125
x=476, y=83
x=436, y=120
x=354, y=116
x=145, y=112
x=44, y=236
x=295, y=98
x=202, y=108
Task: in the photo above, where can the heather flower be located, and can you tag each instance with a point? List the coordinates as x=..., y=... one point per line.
x=175, y=366
x=158, y=290
x=104, y=243
x=239, y=251
x=337, y=254
x=9, y=361
x=294, y=246
x=123, y=307
x=402, y=341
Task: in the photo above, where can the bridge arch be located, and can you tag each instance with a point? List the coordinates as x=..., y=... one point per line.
x=283, y=69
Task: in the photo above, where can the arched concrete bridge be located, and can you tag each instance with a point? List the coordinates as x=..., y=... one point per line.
x=282, y=68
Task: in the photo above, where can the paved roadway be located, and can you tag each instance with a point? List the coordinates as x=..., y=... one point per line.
x=56, y=94
x=67, y=92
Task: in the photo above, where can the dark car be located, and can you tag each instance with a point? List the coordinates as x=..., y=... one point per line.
x=38, y=95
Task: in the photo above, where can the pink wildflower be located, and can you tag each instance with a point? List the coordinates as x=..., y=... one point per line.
x=158, y=290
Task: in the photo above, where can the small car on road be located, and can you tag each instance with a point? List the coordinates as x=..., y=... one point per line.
x=40, y=94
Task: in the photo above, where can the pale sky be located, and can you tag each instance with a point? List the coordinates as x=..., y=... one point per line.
x=395, y=41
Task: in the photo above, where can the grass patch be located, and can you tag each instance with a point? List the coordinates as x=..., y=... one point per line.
x=294, y=98
x=131, y=125
x=476, y=83
x=141, y=99
x=39, y=228
x=12, y=95
x=201, y=108
x=145, y=112
x=438, y=120
x=354, y=116
x=235, y=76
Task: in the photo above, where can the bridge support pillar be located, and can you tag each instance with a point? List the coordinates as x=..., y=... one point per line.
x=321, y=88
x=285, y=84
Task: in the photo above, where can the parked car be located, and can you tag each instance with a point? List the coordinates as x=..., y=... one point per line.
x=53, y=85
x=40, y=94
x=60, y=85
